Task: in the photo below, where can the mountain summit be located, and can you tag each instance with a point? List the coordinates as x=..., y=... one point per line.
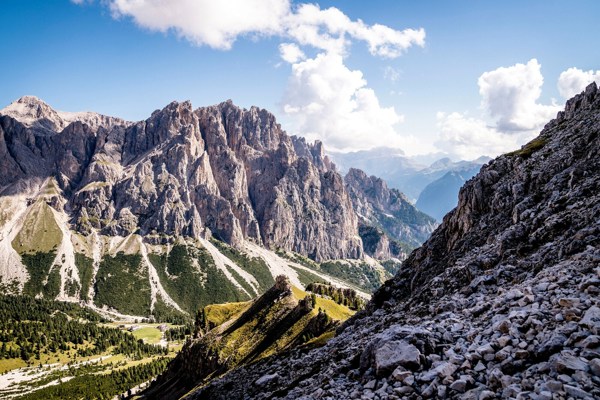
x=501, y=300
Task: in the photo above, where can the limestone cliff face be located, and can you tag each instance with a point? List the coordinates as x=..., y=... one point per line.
x=218, y=170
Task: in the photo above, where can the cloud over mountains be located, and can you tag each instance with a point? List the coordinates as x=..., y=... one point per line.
x=326, y=99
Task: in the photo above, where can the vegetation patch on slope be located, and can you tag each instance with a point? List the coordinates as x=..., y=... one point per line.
x=343, y=296
x=38, y=266
x=215, y=315
x=255, y=266
x=165, y=313
x=529, y=148
x=306, y=277
x=191, y=278
x=363, y=275
x=85, y=266
x=122, y=283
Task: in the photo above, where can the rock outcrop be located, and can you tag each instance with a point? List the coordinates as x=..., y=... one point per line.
x=389, y=225
x=501, y=301
x=283, y=317
x=220, y=170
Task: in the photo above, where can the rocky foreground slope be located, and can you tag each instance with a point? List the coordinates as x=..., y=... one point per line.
x=502, y=301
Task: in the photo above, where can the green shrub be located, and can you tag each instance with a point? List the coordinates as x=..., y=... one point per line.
x=529, y=148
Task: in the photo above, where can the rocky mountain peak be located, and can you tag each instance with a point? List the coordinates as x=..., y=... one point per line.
x=34, y=112
x=31, y=110
x=220, y=170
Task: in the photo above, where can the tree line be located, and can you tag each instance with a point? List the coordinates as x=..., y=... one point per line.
x=344, y=296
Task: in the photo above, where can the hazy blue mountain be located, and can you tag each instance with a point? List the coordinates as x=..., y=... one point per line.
x=441, y=195
x=410, y=175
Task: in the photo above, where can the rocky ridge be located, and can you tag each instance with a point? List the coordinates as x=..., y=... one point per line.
x=389, y=225
x=501, y=301
x=283, y=317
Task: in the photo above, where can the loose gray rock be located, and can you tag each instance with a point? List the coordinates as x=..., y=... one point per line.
x=394, y=353
x=267, y=380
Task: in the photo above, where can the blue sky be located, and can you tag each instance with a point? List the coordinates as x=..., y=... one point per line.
x=111, y=57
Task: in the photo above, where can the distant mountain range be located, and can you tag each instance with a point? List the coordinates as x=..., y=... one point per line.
x=441, y=195
x=412, y=178
x=398, y=170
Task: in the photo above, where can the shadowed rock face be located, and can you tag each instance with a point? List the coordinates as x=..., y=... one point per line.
x=183, y=172
x=501, y=300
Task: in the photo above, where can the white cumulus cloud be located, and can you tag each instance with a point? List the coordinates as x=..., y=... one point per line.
x=510, y=94
x=291, y=53
x=332, y=30
x=206, y=22
x=330, y=102
x=510, y=98
x=574, y=81
x=468, y=138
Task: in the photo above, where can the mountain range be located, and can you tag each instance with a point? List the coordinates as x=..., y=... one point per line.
x=441, y=195
x=407, y=174
x=187, y=208
x=501, y=300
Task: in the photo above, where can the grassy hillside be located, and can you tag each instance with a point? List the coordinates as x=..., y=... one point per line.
x=282, y=318
x=215, y=315
x=40, y=232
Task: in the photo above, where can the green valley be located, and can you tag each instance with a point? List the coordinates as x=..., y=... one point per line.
x=46, y=342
